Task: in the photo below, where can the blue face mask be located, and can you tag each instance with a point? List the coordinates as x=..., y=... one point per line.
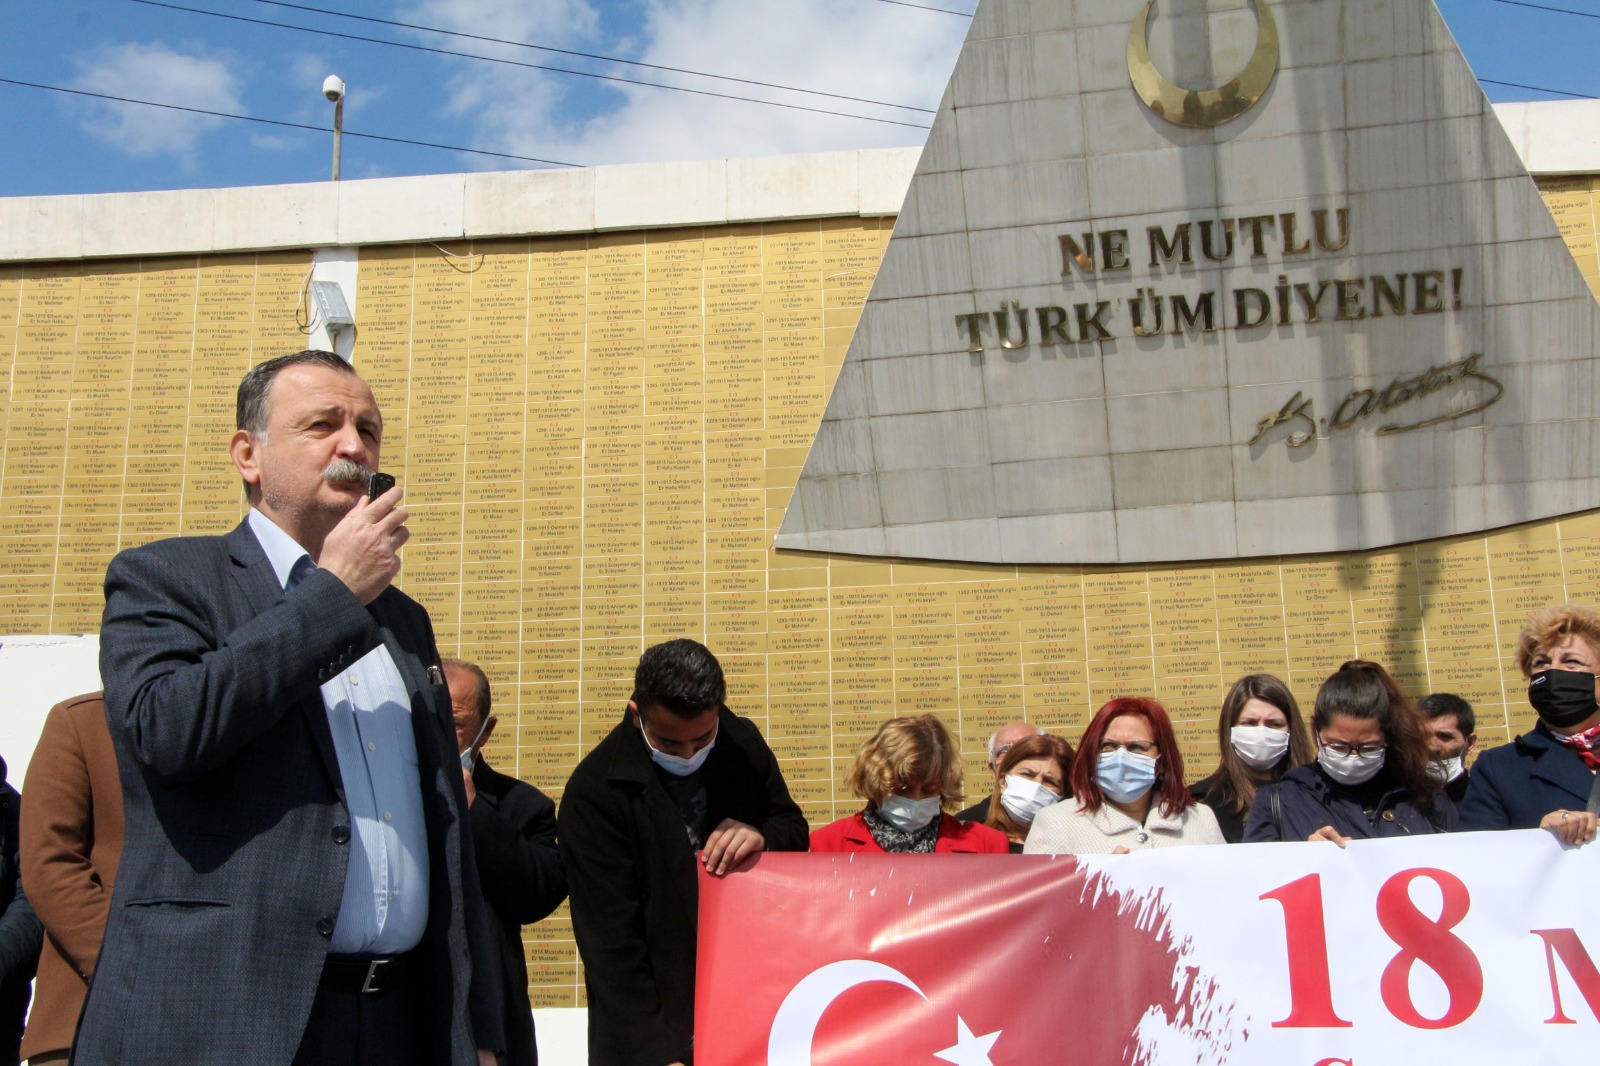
x=677, y=765
x=1123, y=776
x=469, y=758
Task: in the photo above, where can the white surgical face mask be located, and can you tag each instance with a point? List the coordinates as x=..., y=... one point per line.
x=677, y=765
x=1351, y=769
x=1124, y=776
x=1259, y=746
x=1023, y=798
x=1445, y=771
x=909, y=815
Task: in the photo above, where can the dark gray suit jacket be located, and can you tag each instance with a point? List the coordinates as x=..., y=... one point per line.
x=237, y=833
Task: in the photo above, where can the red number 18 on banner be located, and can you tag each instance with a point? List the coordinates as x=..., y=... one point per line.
x=1420, y=939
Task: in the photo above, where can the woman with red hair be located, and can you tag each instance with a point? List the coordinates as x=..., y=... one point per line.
x=1127, y=787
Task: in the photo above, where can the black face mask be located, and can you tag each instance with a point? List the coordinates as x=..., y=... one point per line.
x=1563, y=698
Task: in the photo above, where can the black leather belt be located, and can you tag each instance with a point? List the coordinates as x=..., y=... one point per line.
x=368, y=973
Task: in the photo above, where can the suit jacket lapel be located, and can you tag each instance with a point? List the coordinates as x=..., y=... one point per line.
x=1564, y=770
x=431, y=728
x=258, y=582
x=252, y=570
x=413, y=671
x=410, y=667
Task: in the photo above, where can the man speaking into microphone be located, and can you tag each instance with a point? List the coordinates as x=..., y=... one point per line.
x=295, y=883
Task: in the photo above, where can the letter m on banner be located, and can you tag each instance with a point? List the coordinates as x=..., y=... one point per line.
x=1564, y=943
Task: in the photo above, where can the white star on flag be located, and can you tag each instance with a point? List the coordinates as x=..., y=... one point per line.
x=969, y=1050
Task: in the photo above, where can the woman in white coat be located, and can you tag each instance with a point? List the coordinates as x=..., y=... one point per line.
x=1127, y=789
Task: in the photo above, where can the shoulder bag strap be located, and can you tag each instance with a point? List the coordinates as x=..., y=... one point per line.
x=1276, y=801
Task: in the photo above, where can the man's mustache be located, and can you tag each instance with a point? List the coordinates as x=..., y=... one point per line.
x=346, y=472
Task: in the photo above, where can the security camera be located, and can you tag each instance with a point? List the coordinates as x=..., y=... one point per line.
x=333, y=88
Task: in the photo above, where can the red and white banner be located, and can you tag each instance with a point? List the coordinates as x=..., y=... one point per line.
x=1473, y=947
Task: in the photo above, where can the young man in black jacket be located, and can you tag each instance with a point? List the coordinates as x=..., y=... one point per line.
x=679, y=774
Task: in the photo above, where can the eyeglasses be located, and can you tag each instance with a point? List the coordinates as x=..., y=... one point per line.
x=1346, y=751
x=1136, y=747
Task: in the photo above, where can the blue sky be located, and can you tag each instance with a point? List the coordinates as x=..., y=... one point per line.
x=869, y=49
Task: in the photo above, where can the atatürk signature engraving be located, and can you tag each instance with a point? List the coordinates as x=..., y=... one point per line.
x=1363, y=404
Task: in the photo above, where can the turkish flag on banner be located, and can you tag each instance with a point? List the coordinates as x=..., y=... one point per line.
x=1469, y=947
x=834, y=959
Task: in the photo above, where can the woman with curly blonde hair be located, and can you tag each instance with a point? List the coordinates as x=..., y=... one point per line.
x=909, y=772
x=1545, y=777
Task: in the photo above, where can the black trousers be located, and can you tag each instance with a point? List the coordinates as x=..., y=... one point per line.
x=352, y=1028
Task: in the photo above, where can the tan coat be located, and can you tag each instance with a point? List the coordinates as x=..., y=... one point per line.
x=1066, y=828
x=71, y=841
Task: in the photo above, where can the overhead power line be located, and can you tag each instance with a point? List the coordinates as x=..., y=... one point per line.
x=1545, y=7
x=528, y=66
x=1540, y=88
x=1536, y=88
x=926, y=7
x=280, y=122
x=590, y=55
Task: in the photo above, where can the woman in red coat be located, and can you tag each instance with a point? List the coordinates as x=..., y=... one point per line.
x=909, y=772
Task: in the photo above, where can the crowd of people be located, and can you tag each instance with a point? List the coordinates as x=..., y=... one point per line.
x=274, y=837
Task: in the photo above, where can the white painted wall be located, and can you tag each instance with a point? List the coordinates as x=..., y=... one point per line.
x=867, y=183
x=563, y=1035
x=342, y=266
x=36, y=673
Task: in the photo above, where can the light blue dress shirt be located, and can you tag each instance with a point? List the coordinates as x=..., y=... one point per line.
x=385, y=905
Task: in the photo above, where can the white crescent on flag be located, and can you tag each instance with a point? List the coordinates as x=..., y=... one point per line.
x=795, y=1025
x=796, y=1021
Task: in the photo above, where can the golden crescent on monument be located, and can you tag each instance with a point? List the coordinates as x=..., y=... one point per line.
x=1203, y=108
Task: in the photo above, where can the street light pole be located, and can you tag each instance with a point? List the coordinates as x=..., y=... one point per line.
x=333, y=89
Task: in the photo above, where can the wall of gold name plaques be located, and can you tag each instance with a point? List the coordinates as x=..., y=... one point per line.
x=598, y=437
x=117, y=403
x=1572, y=202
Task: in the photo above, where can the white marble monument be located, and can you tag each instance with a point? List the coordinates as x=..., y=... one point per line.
x=1197, y=279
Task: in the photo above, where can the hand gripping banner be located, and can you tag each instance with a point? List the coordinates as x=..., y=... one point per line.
x=1476, y=947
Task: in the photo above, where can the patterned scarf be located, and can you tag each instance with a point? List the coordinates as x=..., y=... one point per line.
x=1584, y=744
x=893, y=839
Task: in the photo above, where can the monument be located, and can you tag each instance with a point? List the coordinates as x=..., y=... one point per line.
x=1205, y=280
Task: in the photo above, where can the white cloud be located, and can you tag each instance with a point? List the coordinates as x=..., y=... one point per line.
x=873, y=51
x=487, y=95
x=160, y=74
x=307, y=69
x=559, y=23
x=275, y=142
